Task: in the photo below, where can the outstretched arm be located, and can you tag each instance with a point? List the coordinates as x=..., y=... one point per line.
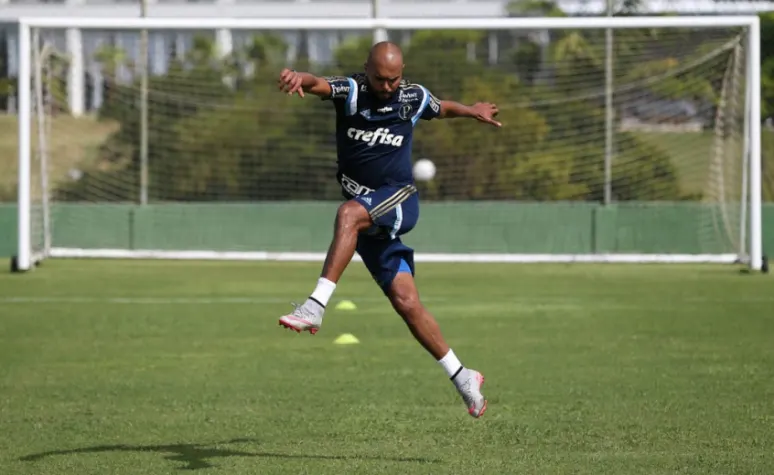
x=480, y=111
x=291, y=81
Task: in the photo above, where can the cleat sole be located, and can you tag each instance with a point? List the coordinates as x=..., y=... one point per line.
x=291, y=327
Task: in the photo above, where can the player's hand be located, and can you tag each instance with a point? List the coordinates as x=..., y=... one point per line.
x=290, y=81
x=486, y=112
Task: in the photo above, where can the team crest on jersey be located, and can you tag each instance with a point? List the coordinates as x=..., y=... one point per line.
x=405, y=111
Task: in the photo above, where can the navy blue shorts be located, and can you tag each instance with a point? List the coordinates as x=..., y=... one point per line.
x=394, y=211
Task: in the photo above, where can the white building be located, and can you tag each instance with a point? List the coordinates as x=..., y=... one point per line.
x=81, y=46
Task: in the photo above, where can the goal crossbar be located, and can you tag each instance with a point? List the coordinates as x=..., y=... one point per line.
x=390, y=23
x=25, y=258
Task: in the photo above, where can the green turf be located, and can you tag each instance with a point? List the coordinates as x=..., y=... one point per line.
x=150, y=367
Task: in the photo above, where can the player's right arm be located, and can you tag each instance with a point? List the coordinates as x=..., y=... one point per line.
x=291, y=81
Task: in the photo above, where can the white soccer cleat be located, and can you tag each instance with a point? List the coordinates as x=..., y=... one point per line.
x=469, y=384
x=303, y=318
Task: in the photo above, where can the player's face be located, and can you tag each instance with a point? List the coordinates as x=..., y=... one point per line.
x=383, y=80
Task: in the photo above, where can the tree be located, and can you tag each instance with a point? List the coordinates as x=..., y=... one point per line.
x=189, y=85
x=6, y=91
x=445, y=74
x=350, y=56
x=767, y=65
x=6, y=82
x=220, y=130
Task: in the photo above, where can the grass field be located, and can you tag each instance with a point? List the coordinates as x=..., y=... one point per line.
x=151, y=367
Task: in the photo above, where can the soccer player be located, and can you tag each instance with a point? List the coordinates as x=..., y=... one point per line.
x=376, y=113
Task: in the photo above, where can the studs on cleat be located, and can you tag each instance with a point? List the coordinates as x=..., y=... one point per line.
x=291, y=327
x=282, y=324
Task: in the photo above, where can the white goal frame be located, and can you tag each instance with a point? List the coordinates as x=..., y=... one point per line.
x=26, y=259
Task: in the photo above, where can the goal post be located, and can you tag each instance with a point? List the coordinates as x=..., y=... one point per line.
x=690, y=196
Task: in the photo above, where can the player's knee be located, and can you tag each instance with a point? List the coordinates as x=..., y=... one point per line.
x=352, y=215
x=406, y=302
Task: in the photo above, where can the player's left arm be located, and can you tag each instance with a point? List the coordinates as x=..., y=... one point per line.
x=481, y=111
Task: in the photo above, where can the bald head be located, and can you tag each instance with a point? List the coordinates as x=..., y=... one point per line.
x=384, y=69
x=386, y=53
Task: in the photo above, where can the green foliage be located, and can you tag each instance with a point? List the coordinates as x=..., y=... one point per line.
x=6, y=87
x=546, y=8
x=670, y=85
x=52, y=81
x=351, y=55
x=7, y=84
x=767, y=65
x=767, y=102
x=218, y=133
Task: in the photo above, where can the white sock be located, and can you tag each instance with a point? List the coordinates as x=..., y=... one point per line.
x=451, y=364
x=322, y=293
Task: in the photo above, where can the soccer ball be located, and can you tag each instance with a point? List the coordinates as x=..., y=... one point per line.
x=424, y=170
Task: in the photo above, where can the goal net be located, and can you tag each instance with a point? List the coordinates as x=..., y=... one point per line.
x=628, y=146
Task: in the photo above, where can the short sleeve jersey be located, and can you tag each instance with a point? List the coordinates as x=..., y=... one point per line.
x=373, y=138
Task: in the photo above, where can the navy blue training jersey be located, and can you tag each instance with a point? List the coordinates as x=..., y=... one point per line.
x=373, y=137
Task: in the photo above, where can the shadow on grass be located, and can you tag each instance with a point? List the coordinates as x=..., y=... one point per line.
x=198, y=456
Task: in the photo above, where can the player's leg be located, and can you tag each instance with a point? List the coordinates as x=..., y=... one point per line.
x=353, y=218
x=404, y=297
x=391, y=263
